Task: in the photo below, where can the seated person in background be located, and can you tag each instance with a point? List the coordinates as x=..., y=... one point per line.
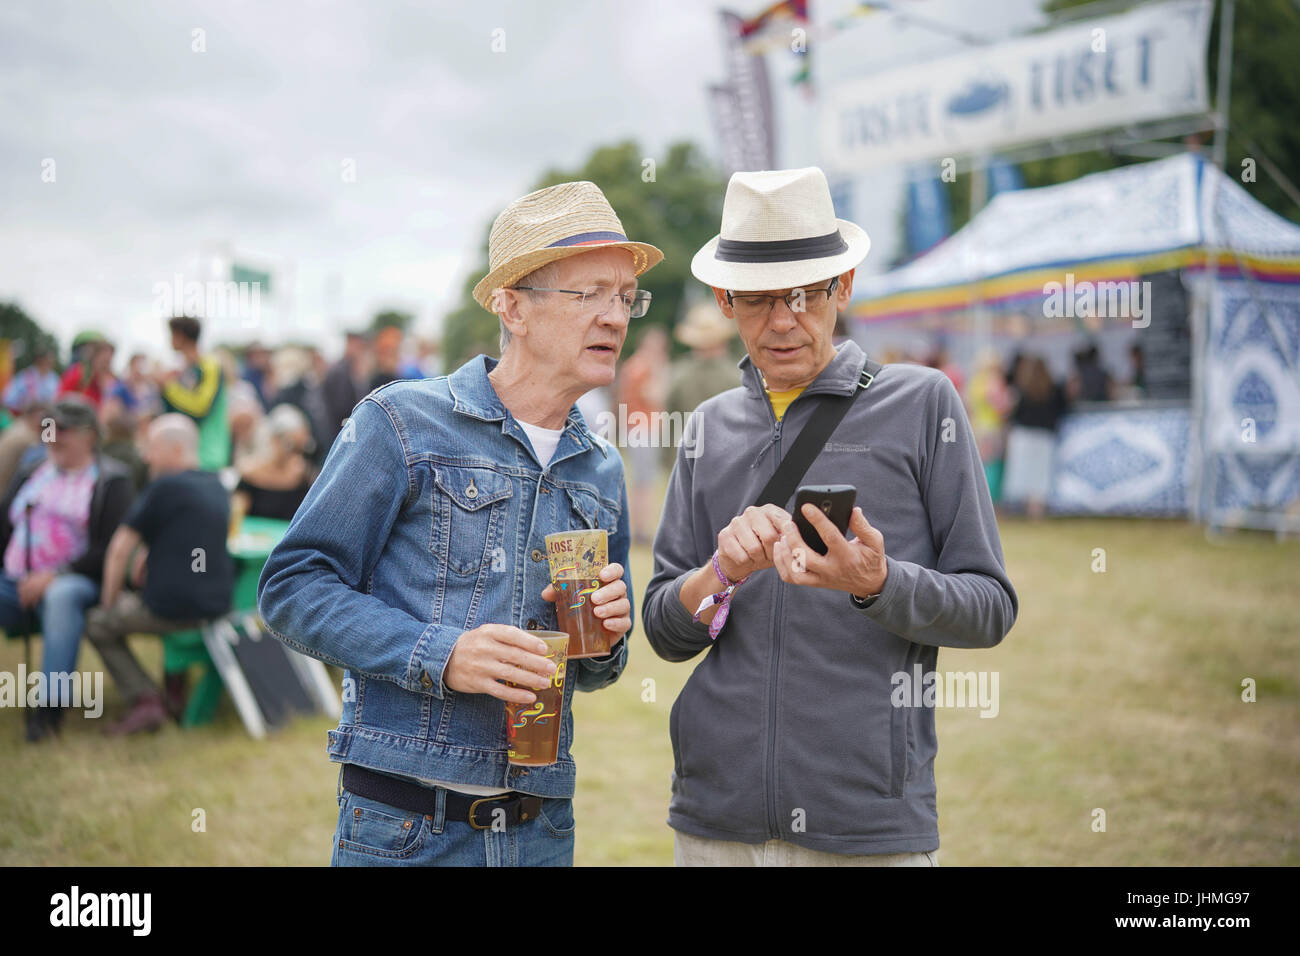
x=23, y=432
x=273, y=485
x=181, y=518
x=78, y=496
x=246, y=416
x=120, y=427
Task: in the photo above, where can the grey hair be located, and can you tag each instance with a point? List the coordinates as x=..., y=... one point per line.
x=545, y=276
x=284, y=421
x=177, y=430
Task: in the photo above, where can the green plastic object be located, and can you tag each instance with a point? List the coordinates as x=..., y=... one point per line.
x=181, y=651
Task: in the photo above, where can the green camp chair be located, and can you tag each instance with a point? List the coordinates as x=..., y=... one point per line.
x=181, y=650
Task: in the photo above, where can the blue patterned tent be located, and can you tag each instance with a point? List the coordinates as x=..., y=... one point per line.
x=1231, y=455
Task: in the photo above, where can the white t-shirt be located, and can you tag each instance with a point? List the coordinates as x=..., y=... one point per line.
x=544, y=441
x=470, y=788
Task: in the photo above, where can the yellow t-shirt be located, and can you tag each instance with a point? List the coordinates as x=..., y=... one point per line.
x=781, y=400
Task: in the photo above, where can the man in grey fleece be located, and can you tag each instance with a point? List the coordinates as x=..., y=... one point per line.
x=787, y=744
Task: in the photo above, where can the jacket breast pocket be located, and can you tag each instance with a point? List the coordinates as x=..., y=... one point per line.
x=589, y=510
x=470, y=511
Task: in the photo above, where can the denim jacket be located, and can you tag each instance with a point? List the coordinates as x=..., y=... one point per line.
x=429, y=519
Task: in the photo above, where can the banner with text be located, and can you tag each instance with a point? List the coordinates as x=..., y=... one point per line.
x=1142, y=65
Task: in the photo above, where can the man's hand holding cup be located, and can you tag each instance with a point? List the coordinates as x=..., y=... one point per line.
x=492, y=653
x=610, y=602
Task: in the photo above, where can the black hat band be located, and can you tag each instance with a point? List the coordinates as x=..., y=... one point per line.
x=782, y=250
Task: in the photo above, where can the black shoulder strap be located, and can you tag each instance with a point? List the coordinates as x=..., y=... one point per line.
x=830, y=411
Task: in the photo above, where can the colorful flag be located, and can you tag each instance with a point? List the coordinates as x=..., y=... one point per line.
x=796, y=10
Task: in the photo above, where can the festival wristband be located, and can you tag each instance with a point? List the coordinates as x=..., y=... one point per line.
x=722, y=598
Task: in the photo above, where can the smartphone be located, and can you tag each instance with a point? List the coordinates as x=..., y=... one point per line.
x=835, y=501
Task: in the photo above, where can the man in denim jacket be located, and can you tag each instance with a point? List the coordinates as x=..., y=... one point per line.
x=418, y=561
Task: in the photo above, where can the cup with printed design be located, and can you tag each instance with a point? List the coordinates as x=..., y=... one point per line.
x=576, y=559
x=534, y=729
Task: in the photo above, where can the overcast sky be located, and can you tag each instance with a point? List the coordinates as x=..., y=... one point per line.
x=163, y=155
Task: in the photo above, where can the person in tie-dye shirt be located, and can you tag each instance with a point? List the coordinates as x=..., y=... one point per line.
x=53, y=556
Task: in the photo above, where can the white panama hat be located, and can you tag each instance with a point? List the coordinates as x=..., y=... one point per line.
x=779, y=231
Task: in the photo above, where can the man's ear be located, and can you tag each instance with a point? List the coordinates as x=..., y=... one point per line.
x=512, y=314
x=720, y=295
x=844, y=291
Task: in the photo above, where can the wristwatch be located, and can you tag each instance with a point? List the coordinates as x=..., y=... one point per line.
x=864, y=602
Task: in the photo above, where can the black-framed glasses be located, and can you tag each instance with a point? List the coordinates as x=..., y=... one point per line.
x=601, y=299
x=753, y=304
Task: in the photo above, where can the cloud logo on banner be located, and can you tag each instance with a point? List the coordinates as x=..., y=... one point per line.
x=979, y=96
x=984, y=102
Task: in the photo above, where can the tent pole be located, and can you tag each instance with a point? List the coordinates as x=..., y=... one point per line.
x=1223, y=91
x=978, y=199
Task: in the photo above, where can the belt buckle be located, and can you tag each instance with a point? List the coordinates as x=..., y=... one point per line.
x=473, y=808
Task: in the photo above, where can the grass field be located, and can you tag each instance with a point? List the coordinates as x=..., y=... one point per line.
x=1119, y=690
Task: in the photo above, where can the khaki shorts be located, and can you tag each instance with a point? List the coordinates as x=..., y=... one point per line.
x=690, y=850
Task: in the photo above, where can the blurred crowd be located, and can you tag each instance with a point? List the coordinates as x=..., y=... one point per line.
x=118, y=481
x=1015, y=405
x=114, y=476
x=1015, y=411
x=262, y=413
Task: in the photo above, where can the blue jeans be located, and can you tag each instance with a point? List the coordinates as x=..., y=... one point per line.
x=61, y=616
x=370, y=833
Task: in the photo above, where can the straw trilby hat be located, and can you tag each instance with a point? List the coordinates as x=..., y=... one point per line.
x=779, y=231
x=704, y=326
x=554, y=223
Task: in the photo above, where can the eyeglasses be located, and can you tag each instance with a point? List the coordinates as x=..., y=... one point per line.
x=752, y=305
x=600, y=300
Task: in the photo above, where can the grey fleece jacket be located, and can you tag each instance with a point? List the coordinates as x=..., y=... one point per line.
x=786, y=729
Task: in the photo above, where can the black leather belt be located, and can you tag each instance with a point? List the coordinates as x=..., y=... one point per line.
x=462, y=807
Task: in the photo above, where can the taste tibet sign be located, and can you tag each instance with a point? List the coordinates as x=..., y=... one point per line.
x=1142, y=65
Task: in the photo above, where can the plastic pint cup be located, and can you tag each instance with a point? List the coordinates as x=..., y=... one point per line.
x=534, y=729
x=576, y=558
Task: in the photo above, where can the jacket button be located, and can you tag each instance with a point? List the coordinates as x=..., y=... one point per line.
x=426, y=681
x=537, y=554
x=532, y=624
x=470, y=490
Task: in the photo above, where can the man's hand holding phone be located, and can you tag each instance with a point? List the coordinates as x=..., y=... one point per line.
x=856, y=566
